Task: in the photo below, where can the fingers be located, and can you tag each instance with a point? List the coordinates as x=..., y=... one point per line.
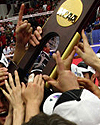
x=85, y=40
x=79, y=52
x=40, y=79
x=80, y=45
x=34, y=40
x=6, y=94
x=28, y=27
x=23, y=87
x=39, y=29
x=50, y=80
x=54, y=56
x=25, y=21
x=72, y=54
x=3, y=72
x=31, y=78
x=11, y=82
x=21, y=12
x=17, y=80
x=30, y=31
x=37, y=34
x=7, y=86
x=59, y=62
x=80, y=79
x=21, y=28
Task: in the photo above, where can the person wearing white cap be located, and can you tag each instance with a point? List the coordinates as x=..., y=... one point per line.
x=87, y=71
x=72, y=103
x=90, y=58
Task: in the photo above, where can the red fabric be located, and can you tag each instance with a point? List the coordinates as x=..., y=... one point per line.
x=77, y=61
x=47, y=50
x=48, y=8
x=3, y=39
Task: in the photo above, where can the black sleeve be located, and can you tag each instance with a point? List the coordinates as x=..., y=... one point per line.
x=69, y=96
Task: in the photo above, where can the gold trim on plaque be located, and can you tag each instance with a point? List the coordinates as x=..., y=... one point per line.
x=66, y=53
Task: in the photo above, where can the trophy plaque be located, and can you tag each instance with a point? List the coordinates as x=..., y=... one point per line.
x=64, y=26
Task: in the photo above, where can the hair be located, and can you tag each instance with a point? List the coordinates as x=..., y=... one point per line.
x=44, y=119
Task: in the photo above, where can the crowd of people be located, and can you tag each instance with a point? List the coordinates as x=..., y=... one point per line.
x=7, y=29
x=36, y=6
x=76, y=99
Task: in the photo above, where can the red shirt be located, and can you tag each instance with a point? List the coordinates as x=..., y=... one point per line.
x=3, y=39
x=48, y=8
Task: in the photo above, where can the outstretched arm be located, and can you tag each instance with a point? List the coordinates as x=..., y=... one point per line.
x=24, y=36
x=87, y=54
x=15, y=98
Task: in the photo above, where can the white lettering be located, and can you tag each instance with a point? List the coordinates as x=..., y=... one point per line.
x=67, y=15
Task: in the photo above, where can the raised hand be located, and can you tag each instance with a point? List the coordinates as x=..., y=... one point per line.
x=15, y=98
x=24, y=36
x=3, y=75
x=87, y=54
x=33, y=95
x=89, y=85
x=66, y=79
x=24, y=31
x=34, y=90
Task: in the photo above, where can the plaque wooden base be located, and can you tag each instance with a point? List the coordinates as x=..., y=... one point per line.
x=74, y=21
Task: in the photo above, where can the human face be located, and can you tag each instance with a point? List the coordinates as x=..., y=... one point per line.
x=97, y=75
x=86, y=75
x=3, y=108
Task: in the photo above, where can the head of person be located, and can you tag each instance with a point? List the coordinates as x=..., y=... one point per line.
x=87, y=71
x=76, y=111
x=97, y=74
x=44, y=119
x=3, y=108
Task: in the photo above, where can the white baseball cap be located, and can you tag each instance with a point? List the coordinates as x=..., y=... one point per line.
x=83, y=112
x=85, y=68
x=75, y=69
x=98, y=55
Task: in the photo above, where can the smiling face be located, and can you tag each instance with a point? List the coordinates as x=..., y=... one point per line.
x=97, y=75
x=3, y=108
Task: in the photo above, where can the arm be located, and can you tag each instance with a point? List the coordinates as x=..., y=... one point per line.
x=9, y=118
x=3, y=75
x=33, y=96
x=24, y=35
x=87, y=54
x=15, y=99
